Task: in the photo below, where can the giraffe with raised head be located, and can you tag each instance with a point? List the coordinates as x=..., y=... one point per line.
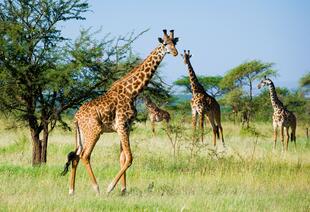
x=114, y=112
x=282, y=117
x=203, y=104
x=156, y=114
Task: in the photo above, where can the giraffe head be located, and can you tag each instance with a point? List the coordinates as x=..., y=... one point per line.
x=169, y=41
x=186, y=56
x=265, y=81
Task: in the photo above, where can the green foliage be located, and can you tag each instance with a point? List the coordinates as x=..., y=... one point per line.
x=246, y=73
x=305, y=84
x=243, y=77
x=211, y=84
x=305, y=80
x=43, y=74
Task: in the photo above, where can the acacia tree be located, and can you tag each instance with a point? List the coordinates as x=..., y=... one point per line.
x=43, y=74
x=305, y=87
x=211, y=84
x=243, y=76
x=304, y=83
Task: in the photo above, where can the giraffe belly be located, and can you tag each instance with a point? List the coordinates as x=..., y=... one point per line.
x=108, y=129
x=158, y=118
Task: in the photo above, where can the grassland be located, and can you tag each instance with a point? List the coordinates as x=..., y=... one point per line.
x=246, y=176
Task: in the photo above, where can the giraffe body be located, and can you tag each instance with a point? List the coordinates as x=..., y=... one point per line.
x=156, y=114
x=114, y=112
x=282, y=118
x=203, y=104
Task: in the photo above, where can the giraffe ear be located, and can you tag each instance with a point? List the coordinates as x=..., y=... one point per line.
x=175, y=40
x=265, y=77
x=160, y=40
x=190, y=56
x=182, y=55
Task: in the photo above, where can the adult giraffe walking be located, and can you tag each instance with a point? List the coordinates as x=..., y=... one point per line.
x=114, y=112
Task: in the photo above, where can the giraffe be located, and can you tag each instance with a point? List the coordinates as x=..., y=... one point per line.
x=203, y=104
x=282, y=117
x=155, y=113
x=114, y=112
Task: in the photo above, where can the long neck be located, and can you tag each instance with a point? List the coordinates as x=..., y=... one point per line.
x=276, y=103
x=195, y=85
x=138, y=79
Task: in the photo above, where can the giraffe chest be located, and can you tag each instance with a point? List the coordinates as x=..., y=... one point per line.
x=199, y=104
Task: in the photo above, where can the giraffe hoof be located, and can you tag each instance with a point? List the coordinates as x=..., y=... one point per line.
x=71, y=192
x=110, y=187
x=123, y=191
x=96, y=189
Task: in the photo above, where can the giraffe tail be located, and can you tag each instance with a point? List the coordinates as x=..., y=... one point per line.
x=71, y=156
x=293, y=137
x=217, y=132
x=74, y=154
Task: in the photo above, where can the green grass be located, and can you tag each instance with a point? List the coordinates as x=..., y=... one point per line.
x=245, y=177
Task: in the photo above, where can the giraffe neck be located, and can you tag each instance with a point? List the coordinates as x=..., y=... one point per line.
x=195, y=85
x=150, y=105
x=276, y=103
x=137, y=79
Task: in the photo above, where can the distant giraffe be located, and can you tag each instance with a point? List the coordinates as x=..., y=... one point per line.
x=155, y=113
x=282, y=117
x=203, y=104
x=114, y=112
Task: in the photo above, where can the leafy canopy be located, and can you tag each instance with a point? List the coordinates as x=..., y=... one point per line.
x=211, y=84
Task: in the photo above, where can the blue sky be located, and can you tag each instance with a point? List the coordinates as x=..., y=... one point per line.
x=220, y=34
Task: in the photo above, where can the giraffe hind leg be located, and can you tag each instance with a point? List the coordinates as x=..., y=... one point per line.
x=222, y=135
x=89, y=144
x=287, y=138
x=85, y=158
x=75, y=163
x=282, y=137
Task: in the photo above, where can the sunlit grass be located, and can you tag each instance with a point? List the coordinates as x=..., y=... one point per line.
x=243, y=177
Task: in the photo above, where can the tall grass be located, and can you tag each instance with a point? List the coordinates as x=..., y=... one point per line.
x=245, y=176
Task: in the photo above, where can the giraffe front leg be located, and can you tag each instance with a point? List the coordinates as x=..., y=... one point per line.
x=122, y=160
x=194, y=122
x=86, y=161
x=275, y=133
x=123, y=131
x=153, y=127
x=201, y=124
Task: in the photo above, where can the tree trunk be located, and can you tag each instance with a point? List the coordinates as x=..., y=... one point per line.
x=44, y=144
x=39, y=147
x=307, y=133
x=36, y=148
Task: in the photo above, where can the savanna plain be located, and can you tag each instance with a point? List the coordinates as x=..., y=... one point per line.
x=246, y=175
